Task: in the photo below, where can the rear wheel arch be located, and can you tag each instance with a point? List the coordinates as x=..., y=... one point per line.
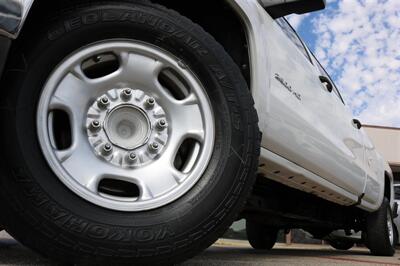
x=388, y=187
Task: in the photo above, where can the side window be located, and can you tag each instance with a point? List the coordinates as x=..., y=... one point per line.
x=292, y=35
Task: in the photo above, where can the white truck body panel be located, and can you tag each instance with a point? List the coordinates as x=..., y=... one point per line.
x=281, y=170
x=303, y=123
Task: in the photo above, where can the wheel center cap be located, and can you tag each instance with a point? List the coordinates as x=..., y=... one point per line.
x=127, y=127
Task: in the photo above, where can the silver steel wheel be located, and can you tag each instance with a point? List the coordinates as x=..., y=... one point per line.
x=139, y=125
x=390, y=227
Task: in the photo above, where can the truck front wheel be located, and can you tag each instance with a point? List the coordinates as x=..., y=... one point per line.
x=129, y=136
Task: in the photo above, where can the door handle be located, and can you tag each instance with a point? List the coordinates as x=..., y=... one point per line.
x=357, y=124
x=328, y=84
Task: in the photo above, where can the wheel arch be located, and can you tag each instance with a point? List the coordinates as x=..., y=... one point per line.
x=387, y=191
x=388, y=188
x=223, y=22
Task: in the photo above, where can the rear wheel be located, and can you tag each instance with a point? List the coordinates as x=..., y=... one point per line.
x=381, y=234
x=129, y=137
x=341, y=244
x=260, y=236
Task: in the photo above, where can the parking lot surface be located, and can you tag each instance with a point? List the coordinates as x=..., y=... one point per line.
x=232, y=253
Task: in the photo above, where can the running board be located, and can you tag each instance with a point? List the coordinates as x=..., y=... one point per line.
x=290, y=174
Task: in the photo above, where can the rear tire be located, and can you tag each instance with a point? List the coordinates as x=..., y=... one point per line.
x=261, y=237
x=381, y=237
x=43, y=213
x=341, y=244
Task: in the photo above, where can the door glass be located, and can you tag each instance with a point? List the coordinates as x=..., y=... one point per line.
x=292, y=35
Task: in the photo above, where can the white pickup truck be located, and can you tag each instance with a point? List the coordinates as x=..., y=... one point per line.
x=137, y=132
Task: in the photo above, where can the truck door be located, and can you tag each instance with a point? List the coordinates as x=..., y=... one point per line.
x=349, y=138
x=306, y=123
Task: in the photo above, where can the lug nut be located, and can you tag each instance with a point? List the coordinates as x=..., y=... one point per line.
x=126, y=94
x=150, y=102
x=131, y=158
x=161, y=124
x=107, y=149
x=104, y=102
x=154, y=147
x=95, y=126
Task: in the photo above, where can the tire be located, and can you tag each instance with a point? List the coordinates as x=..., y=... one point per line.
x=377, y=231
x=260, y=236
x=45, y=214
x=341, y=244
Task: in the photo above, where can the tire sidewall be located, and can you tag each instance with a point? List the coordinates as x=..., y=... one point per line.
x=52, y=208
x=377, y=232
x=393, y=244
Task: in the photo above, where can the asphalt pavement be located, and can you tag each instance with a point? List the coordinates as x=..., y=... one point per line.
x=231, y=253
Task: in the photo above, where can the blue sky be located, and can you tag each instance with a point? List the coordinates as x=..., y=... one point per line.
x=358, y=42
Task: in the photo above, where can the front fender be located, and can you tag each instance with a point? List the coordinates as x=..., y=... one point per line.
x=255, y=19
x=12, y=16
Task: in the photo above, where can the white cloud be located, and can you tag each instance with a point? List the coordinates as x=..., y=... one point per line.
x=359, y=42
x=296, y=20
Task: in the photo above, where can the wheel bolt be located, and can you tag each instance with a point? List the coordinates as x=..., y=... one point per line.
x=107, y=149
x=150, y=103
x=131, y=158
x=161, y=124
x=126, y=94
x=154, y=147
x=95, y=126
x=104, y=102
